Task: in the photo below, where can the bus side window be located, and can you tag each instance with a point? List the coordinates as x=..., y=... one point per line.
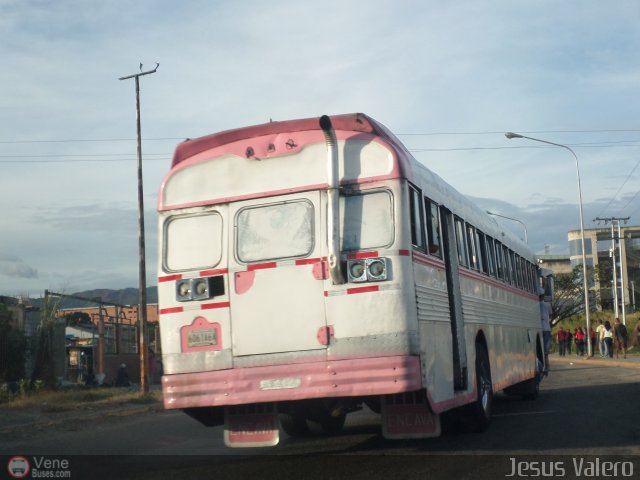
x=499, y=261
x=482, y=251
x=433, y=227
x=491, y=256
x=461, y=242
x=417, y=219
x=471, y=247
x=508, y=265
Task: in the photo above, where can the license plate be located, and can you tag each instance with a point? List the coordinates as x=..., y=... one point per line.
x=202, y=338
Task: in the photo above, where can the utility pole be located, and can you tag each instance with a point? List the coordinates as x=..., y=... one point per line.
x=615, y=246
x=142, y=275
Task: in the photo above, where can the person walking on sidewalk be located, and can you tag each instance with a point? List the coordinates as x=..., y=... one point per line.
x=579, y=342
x=620, y=337
x=545, y=320
x=561, y=336
x=600, y=333
x=608, y=339
x=568, y=340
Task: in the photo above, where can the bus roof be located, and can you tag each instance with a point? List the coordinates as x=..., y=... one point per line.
x=357, y=122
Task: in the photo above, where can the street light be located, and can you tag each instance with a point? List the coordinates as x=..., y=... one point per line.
x=511, y=135
x=526, y=238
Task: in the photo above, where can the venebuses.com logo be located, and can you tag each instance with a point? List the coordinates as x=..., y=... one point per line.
x=19, y=466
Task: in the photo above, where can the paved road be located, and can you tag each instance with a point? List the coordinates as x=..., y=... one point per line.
x=585, y=408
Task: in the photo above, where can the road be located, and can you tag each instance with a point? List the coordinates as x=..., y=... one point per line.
x=585, y=410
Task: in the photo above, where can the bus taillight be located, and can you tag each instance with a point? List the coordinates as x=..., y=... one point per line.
x=367, y=270
x=199, y=288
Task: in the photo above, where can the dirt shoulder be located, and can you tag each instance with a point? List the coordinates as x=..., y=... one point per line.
x=36, y=413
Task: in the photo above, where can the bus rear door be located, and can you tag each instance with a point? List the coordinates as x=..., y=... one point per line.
x=277, y=293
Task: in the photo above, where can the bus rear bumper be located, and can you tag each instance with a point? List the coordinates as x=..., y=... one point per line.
x=338, y=378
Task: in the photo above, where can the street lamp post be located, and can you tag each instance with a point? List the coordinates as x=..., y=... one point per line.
x=511, y=135
x=526, y=238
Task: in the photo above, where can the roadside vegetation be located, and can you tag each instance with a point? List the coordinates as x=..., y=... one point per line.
x=69, y=399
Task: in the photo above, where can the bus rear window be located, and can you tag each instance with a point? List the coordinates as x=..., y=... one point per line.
x=366, y=221
x=192, y=242
x=269, y=232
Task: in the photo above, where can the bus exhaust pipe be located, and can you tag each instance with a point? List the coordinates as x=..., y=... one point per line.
x=333, y=202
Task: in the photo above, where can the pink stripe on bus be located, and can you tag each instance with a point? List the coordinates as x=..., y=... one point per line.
x=369, y=288
x=361, y=255
x=169, y=278
x=164, y=311
x=215, y=271
x=308, y=261
x=261, y=266
x=211, y=306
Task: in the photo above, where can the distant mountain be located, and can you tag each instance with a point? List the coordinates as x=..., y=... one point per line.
x=125, y=296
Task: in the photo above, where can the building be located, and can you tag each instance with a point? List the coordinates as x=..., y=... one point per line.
x=119, y=325
x=556, y=263
x=600, y=244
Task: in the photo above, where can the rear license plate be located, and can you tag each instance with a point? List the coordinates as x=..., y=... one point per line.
x=202, y=338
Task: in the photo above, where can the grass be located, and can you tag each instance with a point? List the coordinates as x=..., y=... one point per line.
x=69, y=399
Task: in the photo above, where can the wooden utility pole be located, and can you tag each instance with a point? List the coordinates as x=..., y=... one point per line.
x=142, y=275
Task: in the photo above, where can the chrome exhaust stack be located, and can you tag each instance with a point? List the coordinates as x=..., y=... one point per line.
x=333, y=202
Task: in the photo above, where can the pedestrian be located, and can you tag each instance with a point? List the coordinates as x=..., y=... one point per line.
x=545, y=321
x=608, y=339
x=592, y=339
x=152, y=365
x=579, y=336
x=561, y=337
x=634, y=340
x=122, y=377
x=568, y=340
x=620, y=337
x=600, y=333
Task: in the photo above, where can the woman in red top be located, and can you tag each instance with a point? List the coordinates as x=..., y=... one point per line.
x=562, y=341
x=579, y=342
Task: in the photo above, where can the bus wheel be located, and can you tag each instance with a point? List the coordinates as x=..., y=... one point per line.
x=477, y=416
x=333, y=425
x=294, y=425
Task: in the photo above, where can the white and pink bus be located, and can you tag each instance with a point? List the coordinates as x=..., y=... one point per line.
x=310, y=267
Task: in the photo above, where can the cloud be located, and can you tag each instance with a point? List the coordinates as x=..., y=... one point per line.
x=12, y=266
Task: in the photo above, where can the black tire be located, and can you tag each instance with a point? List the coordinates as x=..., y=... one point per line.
x=294, y=425
x=477, y=415
x=333, y=425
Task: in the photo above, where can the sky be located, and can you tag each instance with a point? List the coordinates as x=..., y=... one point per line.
x=449, y=78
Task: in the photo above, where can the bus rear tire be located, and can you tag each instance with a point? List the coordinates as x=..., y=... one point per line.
x=294, y=425
x=333, y=425
x=476, y=416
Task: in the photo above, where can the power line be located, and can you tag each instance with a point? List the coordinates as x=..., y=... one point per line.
x=621, y=187
x=524, y=131
x=86, y=160
x=87, y=140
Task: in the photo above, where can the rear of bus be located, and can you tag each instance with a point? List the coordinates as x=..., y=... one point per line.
x=282, y=297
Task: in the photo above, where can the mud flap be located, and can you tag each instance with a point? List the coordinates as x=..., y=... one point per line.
x=248, y=426
x=408, y=415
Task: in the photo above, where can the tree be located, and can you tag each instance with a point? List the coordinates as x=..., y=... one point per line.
x=44, y=368
x=568, y=294
x=13, y=348
x=74, y=319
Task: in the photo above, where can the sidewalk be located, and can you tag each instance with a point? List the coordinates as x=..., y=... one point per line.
x=632, y=361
